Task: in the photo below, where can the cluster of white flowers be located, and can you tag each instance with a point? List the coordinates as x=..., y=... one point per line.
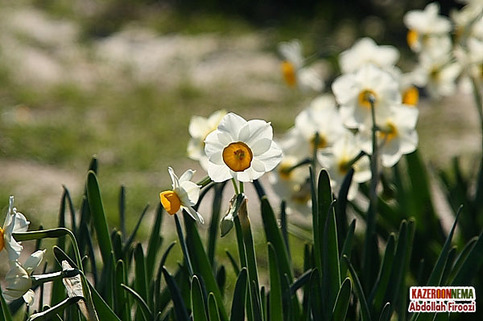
x=337, y=127
x=449, y=49
x=18, y=278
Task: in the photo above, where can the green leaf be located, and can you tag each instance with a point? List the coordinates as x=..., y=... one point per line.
x=341, y=305
x=471, y=265
x=198, y=308
x=386, y=312
x=274, y=236
x=157, y=283
x=140, y=280
x=179, y=305
x=104, y=311
x=52, y=312
x=380, y=288
x=4, y=306
x=155, y=241
x=437, y=272
x=201, y=263
x=315, y=298
x=276, y=311
x=131, y=238
x=98, y=216
x=347, y=248
x=235, y=266
x=365, y=315
x=239, y=297
x=122, y=306
x=146, y=312
x=331, y=265
x=214, y=222
x=213, y=310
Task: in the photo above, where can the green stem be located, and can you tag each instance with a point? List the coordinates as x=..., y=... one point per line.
x=204, y=182
x=39, y=279
x=235, y=186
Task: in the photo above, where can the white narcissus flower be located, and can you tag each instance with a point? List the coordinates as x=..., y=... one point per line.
x=294, y=72
x=199, y=128
x=424, y=25
x=366, y=51
x=184, y=195
x=321, y=117
x=15, y=222
x=338, y=163
x=396, y=135
x=240, y=149
x=18, y=278
x=356, y=92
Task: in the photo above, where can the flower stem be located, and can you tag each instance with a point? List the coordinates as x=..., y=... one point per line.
x=183, y=245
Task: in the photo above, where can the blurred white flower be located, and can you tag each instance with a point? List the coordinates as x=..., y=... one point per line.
x=321, y=117
x=424, y=25
x=366, y=51
x=15, y=222
x=184, y=195
x=356, y=92
x=339, y=161
x=240, y=149
x=199, y=128
x=18, y=278
x=396, y=135
x=294, y=72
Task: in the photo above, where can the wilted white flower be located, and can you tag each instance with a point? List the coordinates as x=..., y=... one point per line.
x=15, y=222
x=240, y=149
x=294, y=72
x=184, y=195
x=366, y=51
x=199, y=128
x=18, y=278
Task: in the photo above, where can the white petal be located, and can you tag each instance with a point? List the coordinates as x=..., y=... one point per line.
x=198, y=127
x=231, y=124
x=29, y=297
x=219, y=173
x=261, y=146
x=194, y=214
x=21, y=223
x=272, y=157
x=174, y=178
x=186, y=176
x=192, y=192
x=33, y=261
x=259, y=129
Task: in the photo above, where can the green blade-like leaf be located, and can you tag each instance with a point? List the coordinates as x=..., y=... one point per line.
x=140, y=280
x=157, y=282
x=437, y=272
x=5, y=313
x=341, y=305
x=131, y=238
x=380, y=288
x=331, y=265
x=104, y=311
x=98, y=216
x=462, y=257
x=276, y=310
x=235, y=266
x=52, y=312
x=155, y=241
x=215, y=221
x=239, y=297
x=471, y=265
x=347, y=248
x=213, y=310
x=121, y=303
x=146, y=312
x=274, y=236
x=365, y=314
x=179, y=306
x=198, y=308
x=386, y=312
x=315, y=297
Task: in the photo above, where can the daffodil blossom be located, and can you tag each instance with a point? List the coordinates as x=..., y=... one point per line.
x=184, y=195
x=18, y=278
x=339, y=161
x=356, y=92
x=199, y=128
x=396, y=135
x=424, y=25
x=366, y=51
x=293, y=70
x=240, y=149
x=15, y=222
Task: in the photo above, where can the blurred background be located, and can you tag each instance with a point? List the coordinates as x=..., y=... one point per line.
x=120, y=79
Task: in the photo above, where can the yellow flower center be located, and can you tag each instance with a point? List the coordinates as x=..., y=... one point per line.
x=321, y=142
x=288, y=72
x=367, y=98
x=170, y=201
x=343, y=166
x=412, y=38
x=237, y=156
x=388, y=133
x=411, y=96
x=2, y=241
